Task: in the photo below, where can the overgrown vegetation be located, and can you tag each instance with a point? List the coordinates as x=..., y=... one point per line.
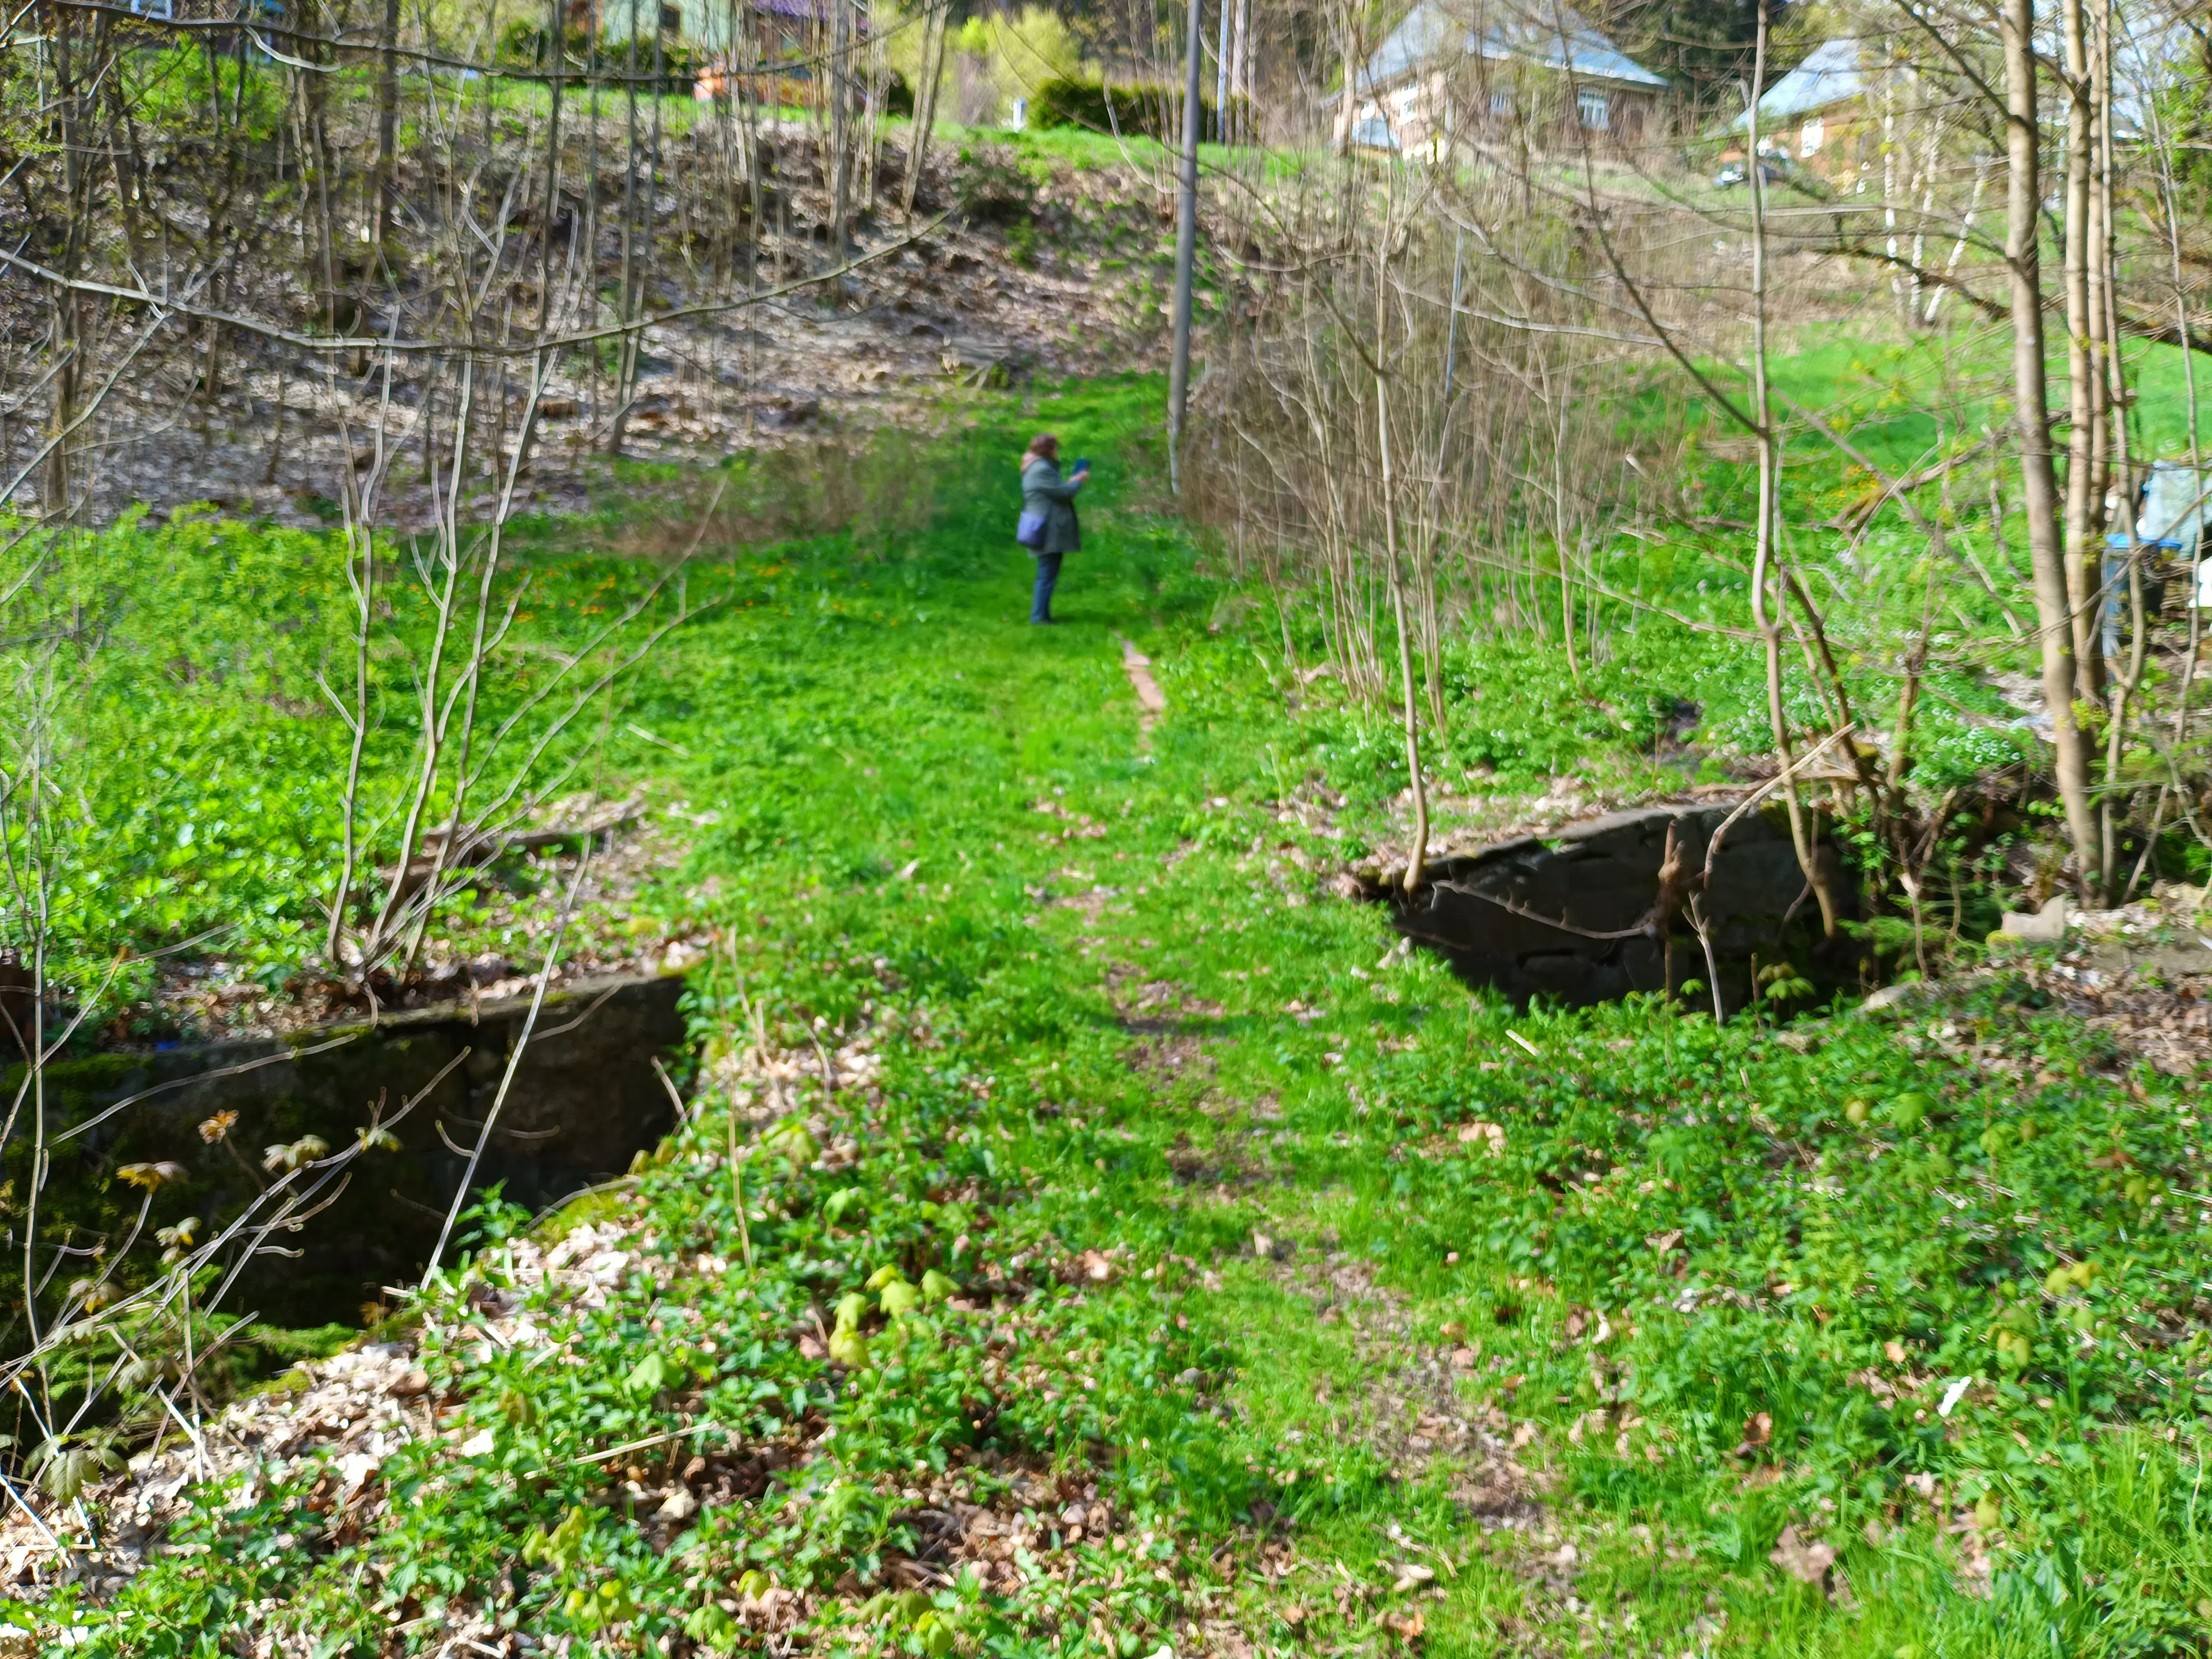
x=1855, y=1333
x=1087, y=1230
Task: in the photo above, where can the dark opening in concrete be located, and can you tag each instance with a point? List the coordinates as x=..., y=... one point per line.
x=584, y=1100
x=1576, y=916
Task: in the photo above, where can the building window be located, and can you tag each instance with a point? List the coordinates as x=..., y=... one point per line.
x=1810, y=136
x=1404, y=97
x=1596, y=110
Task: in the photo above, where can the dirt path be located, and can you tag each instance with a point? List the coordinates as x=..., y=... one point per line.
x=1151, y=703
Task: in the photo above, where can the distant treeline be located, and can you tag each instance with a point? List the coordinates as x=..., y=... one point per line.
x=683, y=64
x=523, y=46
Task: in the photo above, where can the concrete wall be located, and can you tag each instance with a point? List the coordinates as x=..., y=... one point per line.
x=585, y=1100
x=1522, y=915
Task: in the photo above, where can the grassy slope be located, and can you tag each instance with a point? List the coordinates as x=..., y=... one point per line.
x=1131, y=1020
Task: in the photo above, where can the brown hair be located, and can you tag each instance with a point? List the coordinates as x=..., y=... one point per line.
x=1045, y=445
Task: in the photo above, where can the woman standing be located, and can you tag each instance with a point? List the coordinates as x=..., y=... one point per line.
x=1044, y=494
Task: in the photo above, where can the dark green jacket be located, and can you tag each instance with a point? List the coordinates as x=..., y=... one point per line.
x=1043, y=492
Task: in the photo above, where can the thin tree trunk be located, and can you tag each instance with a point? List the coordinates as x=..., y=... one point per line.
x=1240, y=77
x=1417, y=851
x=591, y=211
x=872, y=127
x=2162, y=143
x=1221, y=75
x=2039, y=487
x=1558, y=408
x=925, y=103
x=1891, y=151
x=626, y=371
x=2113, y=807
x=1764, y=559
x=59, y=485
x=1924, y=211
x=649, y=230
x=387, y=128
x=2101, y=442
x=1186, y=241
x=552, y=166
x=2083, y=561
x=1350, y=93
x=840, y=125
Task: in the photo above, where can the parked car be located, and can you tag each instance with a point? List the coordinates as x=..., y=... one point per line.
x=1772, y=170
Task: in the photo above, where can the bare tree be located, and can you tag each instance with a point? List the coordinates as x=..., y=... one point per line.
x=2056, y=611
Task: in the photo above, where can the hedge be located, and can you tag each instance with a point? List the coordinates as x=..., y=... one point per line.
x=1150, y=112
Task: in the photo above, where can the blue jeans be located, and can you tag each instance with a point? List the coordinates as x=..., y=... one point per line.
x=1048, y=578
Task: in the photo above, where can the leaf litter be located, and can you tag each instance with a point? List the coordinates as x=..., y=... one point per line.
x=1019, y=1527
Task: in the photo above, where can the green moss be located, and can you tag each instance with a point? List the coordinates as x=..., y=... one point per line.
x=295, y=1380
x=586, y=1209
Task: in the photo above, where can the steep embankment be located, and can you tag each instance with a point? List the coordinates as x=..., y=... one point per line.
x=1028, y=256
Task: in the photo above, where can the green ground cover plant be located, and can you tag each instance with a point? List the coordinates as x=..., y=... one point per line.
x=1422, y=1319
x=203, y=743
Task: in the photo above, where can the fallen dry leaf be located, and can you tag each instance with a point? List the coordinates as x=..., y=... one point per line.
x=1808, y=1563
x=1408, y=1626
x=679, y=1506
x=1488, y=1132
x=354, y=1471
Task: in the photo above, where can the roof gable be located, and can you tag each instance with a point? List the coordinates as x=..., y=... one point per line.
x=1548, y=33
x=1834, y=72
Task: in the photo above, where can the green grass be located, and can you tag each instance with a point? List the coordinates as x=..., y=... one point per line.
x=1675, y=1282
x=200, y=739
x=1897, y=402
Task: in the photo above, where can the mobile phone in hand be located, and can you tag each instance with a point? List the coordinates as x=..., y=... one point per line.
x=1083, y=463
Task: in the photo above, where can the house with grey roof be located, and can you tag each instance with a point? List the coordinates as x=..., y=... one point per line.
x=1858, y=105
x=1819, y=114
x=1460, y=71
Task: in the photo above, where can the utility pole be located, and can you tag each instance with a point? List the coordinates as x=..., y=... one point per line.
x=1186, y=243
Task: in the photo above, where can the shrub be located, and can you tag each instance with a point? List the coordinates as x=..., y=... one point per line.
x=523, y=46
x=1138, y=111
x=993, y=187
